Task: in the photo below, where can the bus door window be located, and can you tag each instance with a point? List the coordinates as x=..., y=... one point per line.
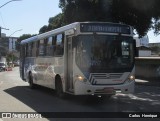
x=69, y=64
x=115, y=52
x=59, y=45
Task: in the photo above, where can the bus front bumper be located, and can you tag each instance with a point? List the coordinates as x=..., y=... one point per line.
x=82, y=88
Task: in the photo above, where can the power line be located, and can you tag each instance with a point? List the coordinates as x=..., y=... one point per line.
x=9, y=2
x=2, y=20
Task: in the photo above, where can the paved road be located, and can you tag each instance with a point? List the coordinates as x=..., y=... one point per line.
x=16, y=96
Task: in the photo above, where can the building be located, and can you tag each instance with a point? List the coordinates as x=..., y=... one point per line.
x=144, y=41
x=144, y=51
x=155, y=47
x=12, y=44
x=7, y=44
x=154, y=44
x=142, y=45
x=4, y=46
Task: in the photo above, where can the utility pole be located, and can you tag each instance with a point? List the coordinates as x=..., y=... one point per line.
x=1, y=30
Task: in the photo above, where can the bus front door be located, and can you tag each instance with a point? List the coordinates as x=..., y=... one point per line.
x=69, y=65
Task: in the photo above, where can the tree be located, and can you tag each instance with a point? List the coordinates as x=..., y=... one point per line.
x=138, y=13
x=43, y=29
x=53, y=23
x=10, y=57
x=57, y=21
x=141, y=14
x=85, y=10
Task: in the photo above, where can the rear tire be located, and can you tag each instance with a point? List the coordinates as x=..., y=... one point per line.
x=31, y=84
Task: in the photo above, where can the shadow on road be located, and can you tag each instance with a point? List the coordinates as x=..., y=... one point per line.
x=149, y=82
x=45, y=100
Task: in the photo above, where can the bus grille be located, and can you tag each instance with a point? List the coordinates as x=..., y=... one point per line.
x=108, y=76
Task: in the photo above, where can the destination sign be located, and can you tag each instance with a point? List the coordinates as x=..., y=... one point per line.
x=105, y=27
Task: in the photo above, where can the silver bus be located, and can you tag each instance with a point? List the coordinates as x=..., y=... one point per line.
x=82, y=58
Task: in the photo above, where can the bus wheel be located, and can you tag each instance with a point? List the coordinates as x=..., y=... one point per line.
x=59, y=88
x=31, y=84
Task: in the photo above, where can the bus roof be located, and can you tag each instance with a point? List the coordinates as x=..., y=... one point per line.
x=61, y=29
x=50, y=33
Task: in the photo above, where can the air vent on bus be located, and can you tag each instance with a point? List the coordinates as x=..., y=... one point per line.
x=96, y=76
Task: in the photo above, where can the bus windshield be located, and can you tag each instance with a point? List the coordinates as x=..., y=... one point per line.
x=104, y=53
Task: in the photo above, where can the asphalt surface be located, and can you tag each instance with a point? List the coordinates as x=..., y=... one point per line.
x=16, y=96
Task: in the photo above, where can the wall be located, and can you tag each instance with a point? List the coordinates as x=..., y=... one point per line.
x=144, y=53
x=148, y=68
x=144, y=41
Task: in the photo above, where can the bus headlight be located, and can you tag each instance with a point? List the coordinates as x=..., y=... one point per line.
x=81, y=78
x=132, y=78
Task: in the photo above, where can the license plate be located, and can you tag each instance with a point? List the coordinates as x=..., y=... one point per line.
x=109, y=90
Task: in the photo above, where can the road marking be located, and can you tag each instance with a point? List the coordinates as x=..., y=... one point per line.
x=1, y=119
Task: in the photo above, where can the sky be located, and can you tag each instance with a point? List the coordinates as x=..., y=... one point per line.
x=28, y=15
x=31, y=15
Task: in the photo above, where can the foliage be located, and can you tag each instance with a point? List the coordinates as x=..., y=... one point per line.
x=141, y=14
x=85, y=10
x=138, y=13
x=43, y=29
x=53, y=23
x=24, y=36
x=10, y=57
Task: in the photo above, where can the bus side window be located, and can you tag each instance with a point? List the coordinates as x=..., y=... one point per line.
x=24, y=47
x=59, y=45
x=45, y=46
x=22, y=51
x=26, y=50
x=37, y=48
x=54, y=45
x=49, y=46
x=34, y=49
x=42, y=48
x=30, y=49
